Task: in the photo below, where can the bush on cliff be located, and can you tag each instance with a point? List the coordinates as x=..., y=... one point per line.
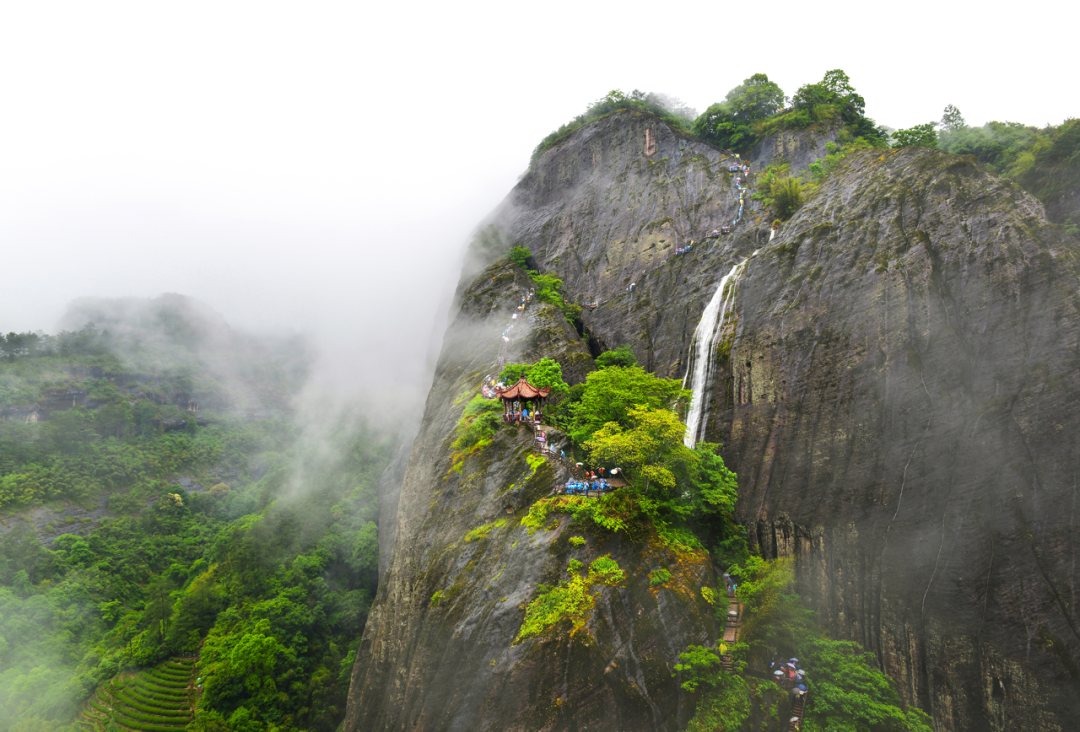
x=672, y=111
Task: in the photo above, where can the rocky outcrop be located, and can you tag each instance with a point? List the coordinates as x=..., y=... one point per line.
x=899, y=401
x=440, y=648
x=901, y=406
x=1064, y=207
x=798, y=148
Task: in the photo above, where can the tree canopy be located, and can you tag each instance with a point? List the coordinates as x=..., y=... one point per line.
x=611, y=393
x=922, y=135
x=730, y=123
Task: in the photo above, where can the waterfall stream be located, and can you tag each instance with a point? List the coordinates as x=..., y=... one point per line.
x=700, y=373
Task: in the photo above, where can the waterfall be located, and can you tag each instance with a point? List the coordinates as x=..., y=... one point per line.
x=703, y=344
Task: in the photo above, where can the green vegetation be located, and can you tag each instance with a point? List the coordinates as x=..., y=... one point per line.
x=848, y=692
x=920, y=135
x=784, y=193
x=477, y=426
x=275, y=590
x=755, y=109
x=153, y=700
x=659, y=577
x=787, y=197
x=671, y=111
x=571, y=600
x=730, y=124
x=549, y=289
x=544, y=373
x=622, y=418
x=700, y=665
x=578, y=541
x=611, y=392
x=483, y=531
x=1046, y=161
x=622, y=357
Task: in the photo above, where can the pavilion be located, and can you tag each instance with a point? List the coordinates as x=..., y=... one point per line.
x=522, y=394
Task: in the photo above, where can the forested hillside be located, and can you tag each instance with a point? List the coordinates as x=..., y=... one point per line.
x=159, y=498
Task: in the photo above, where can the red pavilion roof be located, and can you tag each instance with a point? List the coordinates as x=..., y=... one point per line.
x=522, y=390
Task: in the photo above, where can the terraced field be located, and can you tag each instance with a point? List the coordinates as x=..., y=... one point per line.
x=153, y=700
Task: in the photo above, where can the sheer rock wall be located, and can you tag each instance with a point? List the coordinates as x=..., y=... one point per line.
x=900, y=402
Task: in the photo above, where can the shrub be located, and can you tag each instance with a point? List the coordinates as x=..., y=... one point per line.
x=787, y=194
x=569, y=600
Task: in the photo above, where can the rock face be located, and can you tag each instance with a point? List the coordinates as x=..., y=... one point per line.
x=798, y=148
x=901, y=406
x=900, y=402
x=439, y=649
x=1064, y=208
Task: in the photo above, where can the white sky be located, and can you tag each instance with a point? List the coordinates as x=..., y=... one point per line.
x=320, y=165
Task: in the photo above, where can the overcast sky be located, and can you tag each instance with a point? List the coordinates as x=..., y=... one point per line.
x=320, y=166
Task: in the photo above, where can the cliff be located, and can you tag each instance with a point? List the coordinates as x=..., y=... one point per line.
x=899, y=402
x=440, y=649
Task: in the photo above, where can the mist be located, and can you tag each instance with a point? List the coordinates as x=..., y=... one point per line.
x=322, y=169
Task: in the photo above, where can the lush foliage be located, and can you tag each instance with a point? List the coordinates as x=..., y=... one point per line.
x=622, y=357
x=544, y=373
x=787, y=196
x=549, y=288
x=275, y=589
x=520, y=256
x=730, y=123
x=1046, y=161
x=847, y=691
x=850, y=694
x=922, y=135
x=611, y=393
x=755, y=109
x=700, y=664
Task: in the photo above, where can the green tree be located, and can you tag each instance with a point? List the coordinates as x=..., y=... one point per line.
x=952, y=120
x=650, y=449
x=545, y=372
x=729, y=123
x=712, y=489
x=622, y=357
x=611, y=393
x=520, y=256
x=850, y=694
x=919, y=135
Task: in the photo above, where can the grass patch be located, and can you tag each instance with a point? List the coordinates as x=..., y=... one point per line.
x=482, y=532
